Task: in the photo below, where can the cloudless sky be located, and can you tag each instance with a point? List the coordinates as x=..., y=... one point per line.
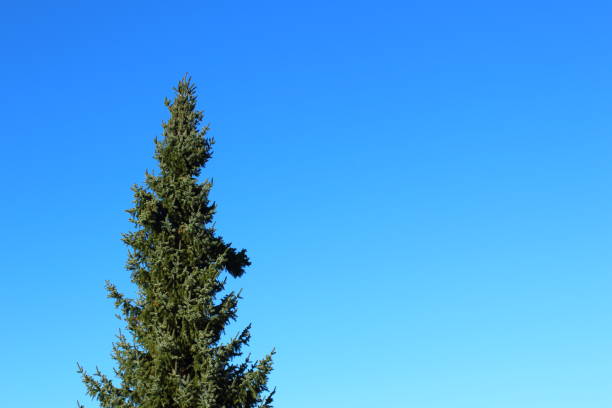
x=424, y=188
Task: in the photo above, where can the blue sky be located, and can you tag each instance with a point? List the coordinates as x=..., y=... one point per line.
x=423, y=188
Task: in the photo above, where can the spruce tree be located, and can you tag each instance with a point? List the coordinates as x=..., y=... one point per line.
x=174, y=354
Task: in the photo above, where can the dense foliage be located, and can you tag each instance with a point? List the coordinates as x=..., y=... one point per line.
x=173, y=355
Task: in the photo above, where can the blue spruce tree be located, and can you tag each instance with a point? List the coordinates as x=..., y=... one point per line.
x=173, y=355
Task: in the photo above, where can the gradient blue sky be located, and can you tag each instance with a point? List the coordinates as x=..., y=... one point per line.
x=424, y=189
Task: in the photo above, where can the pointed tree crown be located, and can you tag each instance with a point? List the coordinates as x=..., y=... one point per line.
x=173, y=355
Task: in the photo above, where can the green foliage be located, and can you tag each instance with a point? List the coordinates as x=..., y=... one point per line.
x=174, y=356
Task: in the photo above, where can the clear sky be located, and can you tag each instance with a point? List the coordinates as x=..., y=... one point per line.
x=424, y=189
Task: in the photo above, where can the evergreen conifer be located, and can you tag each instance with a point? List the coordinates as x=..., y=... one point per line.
x=174, y=355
